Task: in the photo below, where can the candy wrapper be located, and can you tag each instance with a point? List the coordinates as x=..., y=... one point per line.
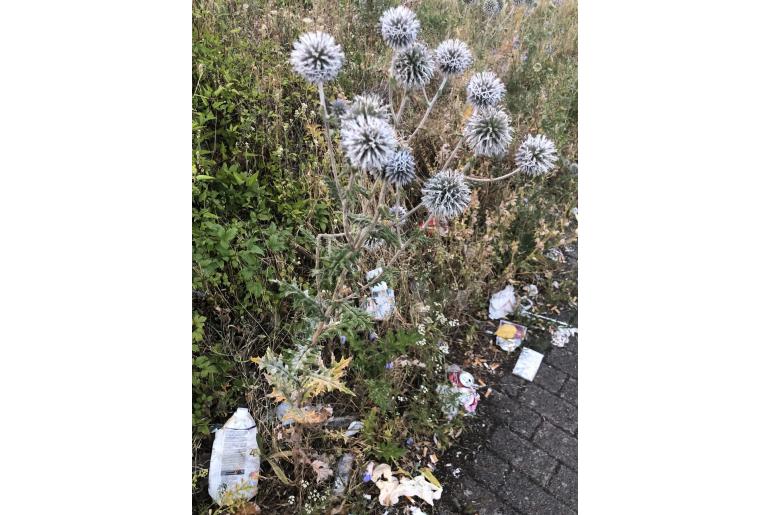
x=528, y=364
x=464, y=384
x=510, y=335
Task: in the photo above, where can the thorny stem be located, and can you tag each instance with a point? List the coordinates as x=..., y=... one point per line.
x=491, y=179
x=390, y=97
x=330, y=148
x=318, y=254
x=431, y=103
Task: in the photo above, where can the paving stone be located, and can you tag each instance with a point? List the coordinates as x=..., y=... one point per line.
x=473, y=497
x=570, y=391
x=527, y=497
x=550, y=378
x=557, y=443
x=523, y=455
x=512, y=385
x=508, y=412
x=488, y=469
x=564, y=485
x=564, y=360
x=553, y=408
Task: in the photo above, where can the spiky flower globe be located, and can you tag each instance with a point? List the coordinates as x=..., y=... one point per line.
x=485, y=90
x=399, y=27
x=368, y=106
x=491, y=7
x=317, y=57
x=413, y=66
x=368, y=142
x=400, y=168
x=488, y=132
x=339, y=107
x=398, y=213
x=536, y=156
x=446, y=194
x=453, y=57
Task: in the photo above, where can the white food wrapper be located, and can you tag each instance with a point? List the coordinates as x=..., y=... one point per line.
x=234, y=468
x=371, y=274
x=528, y=363
x=562, y=335
x=502, y=303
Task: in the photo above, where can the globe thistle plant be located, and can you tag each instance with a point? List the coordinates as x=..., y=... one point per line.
x=368, y=142
x=485, y=90
x=368, y=106
x=339, y=107
x=317, y=57
x=488, y=132
x=398, y=214
x=400, y=168
x=446, y=195
x=453, y=57
x=536, y=156
x=491, y=7
x=413, y=66
x=399, y=27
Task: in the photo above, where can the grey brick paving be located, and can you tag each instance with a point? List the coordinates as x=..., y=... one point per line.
x=526, y=462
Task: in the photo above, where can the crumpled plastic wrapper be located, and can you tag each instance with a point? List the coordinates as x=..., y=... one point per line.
x=562, y=335
x=528, y=364
x=382, y=302
x=502, y=303
x=464, y=386
x=510, y=335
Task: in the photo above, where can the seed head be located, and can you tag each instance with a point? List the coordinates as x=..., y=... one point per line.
x=399, y=27
x=536, y=156
x=413, y=66
x=485, y=90
x=453, y=57
x=446, y=194
x=488, y=132
x=317, y=57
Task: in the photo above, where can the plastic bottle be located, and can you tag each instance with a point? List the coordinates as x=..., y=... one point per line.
x=235, y=459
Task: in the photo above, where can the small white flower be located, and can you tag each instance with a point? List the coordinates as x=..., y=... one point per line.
x=446, y=194
x=453, y=57
x=536, y=156
x=317, y=57
x=399, y=26
x=485, y=90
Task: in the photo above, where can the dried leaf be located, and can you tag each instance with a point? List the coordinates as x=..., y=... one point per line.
x=322, y=470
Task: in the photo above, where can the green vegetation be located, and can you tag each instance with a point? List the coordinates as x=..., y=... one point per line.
x=262, y=193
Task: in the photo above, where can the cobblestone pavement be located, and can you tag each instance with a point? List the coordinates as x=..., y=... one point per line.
x=525, y=458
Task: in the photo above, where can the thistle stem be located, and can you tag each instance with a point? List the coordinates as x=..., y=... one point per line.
x=333, y=160
x=431, y=103
x=452, y=155
x=491, y=179
x=401, y=108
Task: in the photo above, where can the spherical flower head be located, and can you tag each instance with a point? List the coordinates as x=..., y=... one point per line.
x=368, y=142
x=446, y=195
x=536, y=156
x=485, y=90
x=413, y=66
x=453, y=57
x=491, y=7
x=400, y=168
x=317, y=57
x=398, y=214
x=488, y=132
x=399, y=27
x=339, y=107
x=368, y=106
